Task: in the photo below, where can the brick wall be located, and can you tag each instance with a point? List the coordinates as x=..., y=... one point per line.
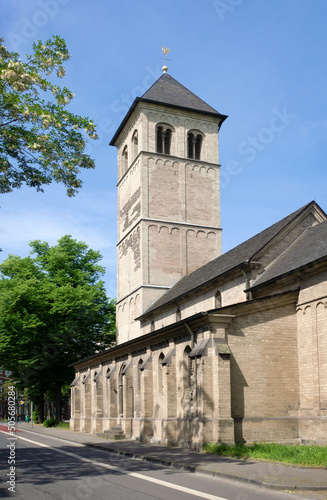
x=264, y=372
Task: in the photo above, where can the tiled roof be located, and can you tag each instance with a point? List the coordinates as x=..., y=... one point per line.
x=225, y=263
x=310, y=247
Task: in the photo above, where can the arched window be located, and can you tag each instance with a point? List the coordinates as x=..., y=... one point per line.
x=135, y=143
x=218, y=299
x=194, y=144
x=160, y=372
x=125, y=158
x=187, y=381
x=121, y=389
x=139, y=374
x=186, y=368
x=163, y=139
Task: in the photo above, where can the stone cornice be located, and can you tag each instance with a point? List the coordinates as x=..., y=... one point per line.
x=163, y=334
x=262, y=304
x=165, y=157
x=165, y=222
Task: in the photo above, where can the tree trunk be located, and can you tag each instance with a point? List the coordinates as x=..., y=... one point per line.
x=58, y=401
x=40, y=406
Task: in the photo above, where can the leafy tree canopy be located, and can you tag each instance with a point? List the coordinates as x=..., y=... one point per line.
x=40, y=140
x=53, y=311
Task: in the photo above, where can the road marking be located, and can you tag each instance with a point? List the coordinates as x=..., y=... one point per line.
x=166, y=484
x=52, y=437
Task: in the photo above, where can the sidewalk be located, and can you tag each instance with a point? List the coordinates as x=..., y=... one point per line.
x=268, y=474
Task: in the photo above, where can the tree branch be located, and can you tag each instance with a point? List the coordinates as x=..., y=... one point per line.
x=27, y=152
x=8, y=123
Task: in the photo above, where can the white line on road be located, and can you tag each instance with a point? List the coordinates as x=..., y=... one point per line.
x=48, y=436
x=166, y=484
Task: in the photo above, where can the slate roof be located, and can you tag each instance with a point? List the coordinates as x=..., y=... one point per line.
x=310, y=247
x=225, y=263
x=169, y=92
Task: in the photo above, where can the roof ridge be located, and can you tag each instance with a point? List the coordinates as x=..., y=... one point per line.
x=169, y=77
x=228, y=261
x=279, y=256
x=166, y=90
x=154, y=83
x=291, y=216
x=309, y=247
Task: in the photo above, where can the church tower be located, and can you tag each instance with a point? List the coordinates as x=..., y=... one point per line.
x=168, y=196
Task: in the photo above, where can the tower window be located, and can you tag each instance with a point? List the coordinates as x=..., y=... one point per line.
x=125, y=158
x=135, y=143
x=194, y=144
x=163, y=140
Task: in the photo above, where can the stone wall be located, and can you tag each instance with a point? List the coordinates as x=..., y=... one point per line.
x=169, y=392
x=168, y=208
x=312, y=352
x=235, y=379
x=264, y=374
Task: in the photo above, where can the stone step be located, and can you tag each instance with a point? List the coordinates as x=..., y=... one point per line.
x=115, y=433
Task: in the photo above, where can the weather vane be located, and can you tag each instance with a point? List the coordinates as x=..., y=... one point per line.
x=165, y=51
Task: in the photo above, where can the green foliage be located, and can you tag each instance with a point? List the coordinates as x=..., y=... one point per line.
x=291, y=454
x=53, y=311
x=40, y=140
x=51, y=422
x=64, y=425
x=7, y=387
x=36, y=416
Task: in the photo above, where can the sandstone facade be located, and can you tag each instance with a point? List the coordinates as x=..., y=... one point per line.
x=210, y=347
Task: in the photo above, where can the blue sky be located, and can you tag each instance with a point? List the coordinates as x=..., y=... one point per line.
x=263, y=63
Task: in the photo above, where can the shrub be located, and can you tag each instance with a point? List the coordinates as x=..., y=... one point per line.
x=50, y=422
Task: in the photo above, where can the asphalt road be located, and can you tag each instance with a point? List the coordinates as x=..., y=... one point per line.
x=51, y=468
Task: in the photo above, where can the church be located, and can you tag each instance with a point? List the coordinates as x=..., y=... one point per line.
x=211, y=347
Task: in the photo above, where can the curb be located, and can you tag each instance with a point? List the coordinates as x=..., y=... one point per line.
x=190, y=468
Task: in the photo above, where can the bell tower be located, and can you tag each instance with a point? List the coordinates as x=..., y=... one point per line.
x=168, y=196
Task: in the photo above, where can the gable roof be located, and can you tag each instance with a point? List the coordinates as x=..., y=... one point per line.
x=225, y=263
x=167, y=91
x=310, y=247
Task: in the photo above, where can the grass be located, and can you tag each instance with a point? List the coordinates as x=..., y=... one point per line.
x=307, y=455
x=52, y=422
x=63, y=425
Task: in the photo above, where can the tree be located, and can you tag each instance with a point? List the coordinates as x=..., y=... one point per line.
x=53, y=311
x=40, y=140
